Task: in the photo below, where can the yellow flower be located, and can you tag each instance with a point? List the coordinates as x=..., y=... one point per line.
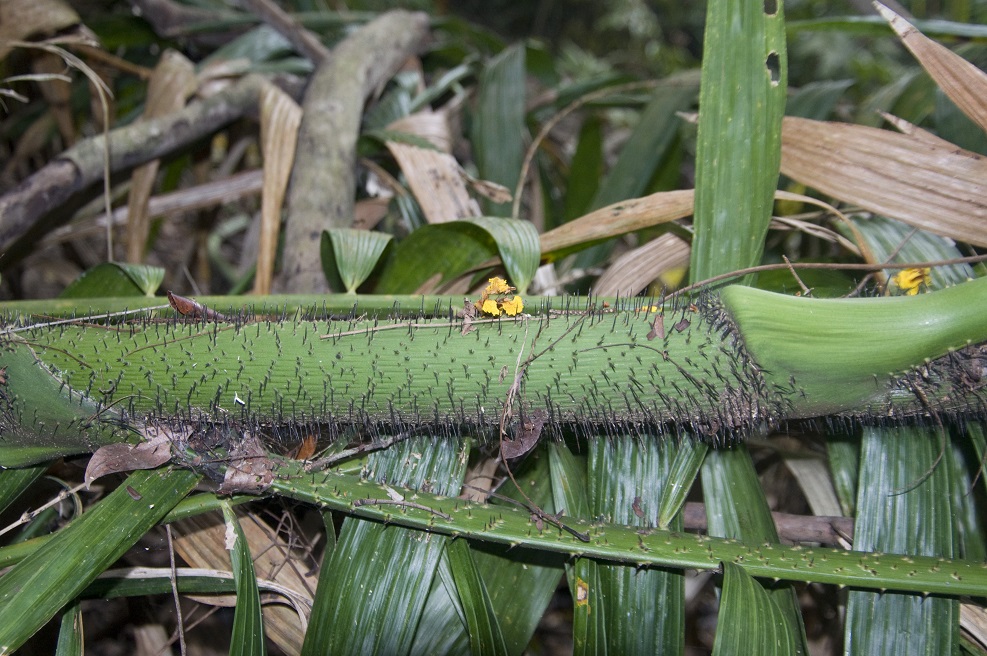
x=497, y=286
x=909, y=280
x=512, y=307
x=490, y=307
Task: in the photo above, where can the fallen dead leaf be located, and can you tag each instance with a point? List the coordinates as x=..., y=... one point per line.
x=122, y=457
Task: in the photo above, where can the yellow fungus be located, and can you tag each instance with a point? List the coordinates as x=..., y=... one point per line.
x=490, y=307
x=909, y=280
x=512, y=307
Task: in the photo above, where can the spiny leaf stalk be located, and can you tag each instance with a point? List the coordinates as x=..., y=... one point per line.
x=715, y=367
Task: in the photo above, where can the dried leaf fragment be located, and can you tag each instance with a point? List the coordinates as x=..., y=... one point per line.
x=469, y=315
x=250, y=470
x=961, y=81
x=122, y=457
x=306, y=448
x=192, y=309
x=657, y=328
x=527, y=436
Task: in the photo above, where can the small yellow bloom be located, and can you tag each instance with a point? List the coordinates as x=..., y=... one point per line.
x=498, y=286
x=512, y=307
x=909, y=280
x=490, y=307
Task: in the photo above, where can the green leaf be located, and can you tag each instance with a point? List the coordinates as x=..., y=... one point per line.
x=378, y=578
x=259, y=45
x=447, y=250
x=13, y=482
x=70, y=633
x=457, y=247
x=956, y=127
x=60, y=415
x=518, y=245
x=877, y=26
x=521, y=582
x=248, y=621
x=736, y=508
x=644, y=609
x=35, y=589
x=688, y=460
x=511, y=529
x=113, y=279
x=843, y=454
x=498, y=124
x=741, y=103
x=896, y=242
x=750, y=621
x=349, y=256
x=902, y=507
x=484, y=630
x=649, y=142
x=589, y=622
x=443, y=627
x=817, y=100
x=976, y=434
x=647, y=149
x=968, y=507
x=585, y=169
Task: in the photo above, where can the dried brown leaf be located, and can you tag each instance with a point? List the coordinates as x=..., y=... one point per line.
x=527, y=436
x=250, y=470
x=430, y=125
x=617, y=219
x=498, y=193
x=368, y=212
x=193, y=309
x=961, y=81
x=280, y=117
x=436, y=182
x=200, y=543
x=306, y=448
x=634, y=270
x=932, y=185
x=122, y=457
x=172, y=83
x=22, y=19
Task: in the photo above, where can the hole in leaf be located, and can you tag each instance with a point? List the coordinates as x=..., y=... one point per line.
x=773, y=64
x=770, y=7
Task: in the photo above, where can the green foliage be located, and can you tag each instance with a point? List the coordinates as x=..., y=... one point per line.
x=114, y=279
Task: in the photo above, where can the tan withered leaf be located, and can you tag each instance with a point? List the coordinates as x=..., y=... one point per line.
x=435, y=181
x=617, y=219
x=961, y=81
x=280, y=117
x=47, y=67
x=171, y=85
x=931, y=185
x=498, y=193
x=21, y=19
x=427, y=124
x=122, y=457
x=200, y=543
x=249, y=469
x=634, y=270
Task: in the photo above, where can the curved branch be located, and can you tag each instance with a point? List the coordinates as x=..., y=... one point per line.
x=321, y=192
x=31, y=208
